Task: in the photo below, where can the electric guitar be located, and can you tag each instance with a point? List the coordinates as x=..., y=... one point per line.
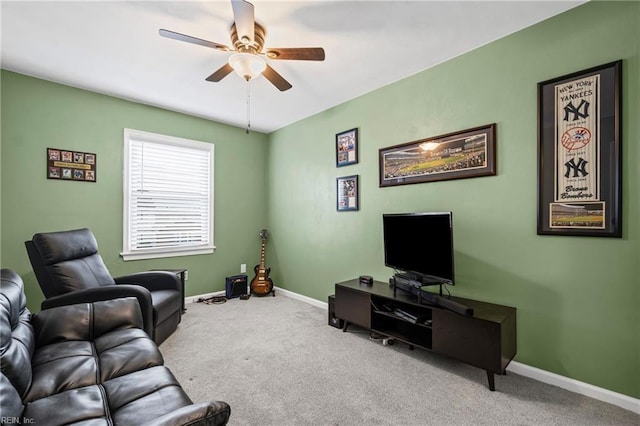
x=261, y=284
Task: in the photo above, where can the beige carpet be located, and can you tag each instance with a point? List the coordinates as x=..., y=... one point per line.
x=277, y=362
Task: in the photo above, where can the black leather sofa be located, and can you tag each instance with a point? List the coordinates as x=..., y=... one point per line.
x=89, y=364
x=70, y=269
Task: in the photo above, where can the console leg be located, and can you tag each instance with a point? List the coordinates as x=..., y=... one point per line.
x=346, y=324
x=492, y=383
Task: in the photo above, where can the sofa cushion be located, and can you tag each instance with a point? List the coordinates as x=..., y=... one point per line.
x=102, y=343
x=67, y=365
x=143, y=395
x=69, y=407
x=125, y=351
x=132, y=399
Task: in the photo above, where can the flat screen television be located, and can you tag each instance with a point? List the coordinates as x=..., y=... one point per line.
x=420, y=244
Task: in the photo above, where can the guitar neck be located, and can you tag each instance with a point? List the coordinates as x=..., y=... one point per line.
x=262, y=255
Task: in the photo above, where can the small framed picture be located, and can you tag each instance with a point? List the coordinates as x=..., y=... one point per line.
x=347, y=148
x=71, y=165
x=347, y=190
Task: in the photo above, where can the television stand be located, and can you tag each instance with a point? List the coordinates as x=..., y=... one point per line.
x=487, y=339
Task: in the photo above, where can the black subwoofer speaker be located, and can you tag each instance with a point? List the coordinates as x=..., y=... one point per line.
x=333, y=321
x=236, y=286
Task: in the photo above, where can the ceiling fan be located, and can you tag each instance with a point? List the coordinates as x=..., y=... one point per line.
x=247, y=37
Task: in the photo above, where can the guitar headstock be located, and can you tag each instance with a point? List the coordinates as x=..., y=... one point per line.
x=264, y=234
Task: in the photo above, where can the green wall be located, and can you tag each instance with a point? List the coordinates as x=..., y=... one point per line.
x=577, y=297
x=37, y=114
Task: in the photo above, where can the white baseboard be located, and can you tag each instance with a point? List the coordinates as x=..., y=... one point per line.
x=309, y=300
x=621, y=400
x=576, y=386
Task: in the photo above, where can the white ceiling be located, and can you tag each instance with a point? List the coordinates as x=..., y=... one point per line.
x=114, y=48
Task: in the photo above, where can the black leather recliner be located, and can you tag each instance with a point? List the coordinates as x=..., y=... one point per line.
x=88, y=363
x=70, y=270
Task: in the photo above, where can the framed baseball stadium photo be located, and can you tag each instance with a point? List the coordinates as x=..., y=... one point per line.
x=579, y=153
x=464, y=154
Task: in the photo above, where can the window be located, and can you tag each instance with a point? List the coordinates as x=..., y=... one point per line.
x=168, y=196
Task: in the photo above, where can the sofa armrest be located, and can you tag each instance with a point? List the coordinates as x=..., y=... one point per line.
x=11, y=406
x=98, y=294
x=205, y=413
x=152, y=280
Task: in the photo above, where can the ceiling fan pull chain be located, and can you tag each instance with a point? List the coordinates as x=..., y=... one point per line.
x=248, y=105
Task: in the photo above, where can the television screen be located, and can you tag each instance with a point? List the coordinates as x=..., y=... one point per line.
x=421, y=244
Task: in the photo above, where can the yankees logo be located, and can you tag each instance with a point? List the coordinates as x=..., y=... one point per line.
x=575, y=138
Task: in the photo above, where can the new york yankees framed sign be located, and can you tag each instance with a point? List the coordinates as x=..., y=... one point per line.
x=579, y=153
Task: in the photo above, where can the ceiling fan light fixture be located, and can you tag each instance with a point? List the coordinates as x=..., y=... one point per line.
x=247, y=65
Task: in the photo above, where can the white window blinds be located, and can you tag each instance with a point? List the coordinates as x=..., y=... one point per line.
x=168, y=196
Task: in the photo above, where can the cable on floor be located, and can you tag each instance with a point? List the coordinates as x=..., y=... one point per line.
x=213, y=300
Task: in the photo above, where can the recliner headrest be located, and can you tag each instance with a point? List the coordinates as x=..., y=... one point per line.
x=55, y=247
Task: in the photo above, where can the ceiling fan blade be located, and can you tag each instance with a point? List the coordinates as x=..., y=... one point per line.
x=220, y=73
x=245, y=20
x=276, y=79
x=298, y=53
x=194, y=40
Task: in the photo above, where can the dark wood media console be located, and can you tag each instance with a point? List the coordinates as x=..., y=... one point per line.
x=486, y=340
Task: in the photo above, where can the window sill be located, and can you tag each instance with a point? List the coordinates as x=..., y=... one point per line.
x=161, y=254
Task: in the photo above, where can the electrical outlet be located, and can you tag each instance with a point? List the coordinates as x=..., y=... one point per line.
x=186, y=275
x=243, y=268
